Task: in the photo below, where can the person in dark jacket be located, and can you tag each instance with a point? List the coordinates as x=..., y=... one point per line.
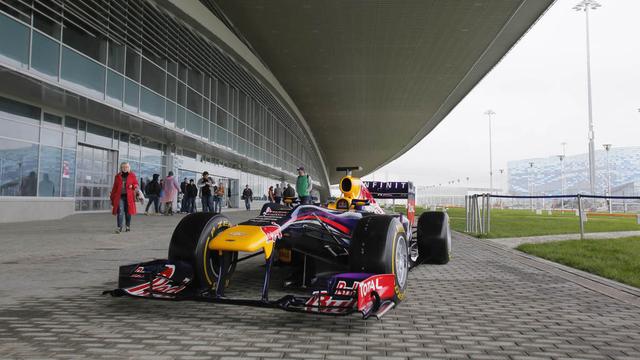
x=191, y=192
x=247, y=196
x=152, y=190
x=183, y=191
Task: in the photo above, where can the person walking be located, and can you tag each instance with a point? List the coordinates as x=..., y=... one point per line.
x=153, y=190
x=219, y=198
x=303, y=186
x=270, y=195
x=123, y=197
x=247, y=196
x=191, y=195
x=183, y=191
x=170, y=193
x=277, y=194
x=205, y=186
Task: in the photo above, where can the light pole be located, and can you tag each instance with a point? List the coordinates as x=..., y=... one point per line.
x=530, y=184
x=561, y=157
x=586, y=5
x=607, y=147
x=489, y=113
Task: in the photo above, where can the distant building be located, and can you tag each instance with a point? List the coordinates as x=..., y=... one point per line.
x=544, y=177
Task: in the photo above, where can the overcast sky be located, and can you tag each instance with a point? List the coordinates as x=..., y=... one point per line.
x=539, y=95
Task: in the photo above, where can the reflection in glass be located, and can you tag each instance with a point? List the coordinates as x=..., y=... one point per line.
x=14, y=41
x=82, y=72
x=194, y=123
x=131, y=96
x=14, y=110
x=115, y=85
x=116, y=56
x=51, y=162
x=88, y=44
x=68, y=172
x=45, y=55
x=153, y=77
x=18, y=167
x=51, y=137
x=171, y=112
x=133, y=64
x=152, y=105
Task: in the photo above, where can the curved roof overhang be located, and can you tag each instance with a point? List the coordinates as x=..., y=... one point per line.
x=372, y=78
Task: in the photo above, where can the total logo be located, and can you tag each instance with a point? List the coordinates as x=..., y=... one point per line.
x=366, y=287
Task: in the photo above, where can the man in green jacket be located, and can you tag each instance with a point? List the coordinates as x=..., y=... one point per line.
x=303, y=186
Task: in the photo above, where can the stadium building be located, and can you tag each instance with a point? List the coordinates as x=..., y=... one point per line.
x=247, y=90
x=544, y=177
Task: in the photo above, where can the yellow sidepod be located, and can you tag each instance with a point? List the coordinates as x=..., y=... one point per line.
x=246, y=238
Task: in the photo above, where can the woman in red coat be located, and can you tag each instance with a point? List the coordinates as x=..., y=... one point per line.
x=123, y=196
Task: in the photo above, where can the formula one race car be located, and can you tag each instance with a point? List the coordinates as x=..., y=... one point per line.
x=350, y=253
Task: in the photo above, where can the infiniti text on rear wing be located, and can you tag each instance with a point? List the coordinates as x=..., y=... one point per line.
x=394, y=190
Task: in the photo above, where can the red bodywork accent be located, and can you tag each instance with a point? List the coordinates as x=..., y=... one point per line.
x=336, y=225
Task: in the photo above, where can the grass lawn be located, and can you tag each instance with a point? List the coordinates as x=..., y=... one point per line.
x=617, y=259
x=517, y=223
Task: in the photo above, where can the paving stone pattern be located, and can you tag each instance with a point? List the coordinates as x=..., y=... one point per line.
x=485, y=304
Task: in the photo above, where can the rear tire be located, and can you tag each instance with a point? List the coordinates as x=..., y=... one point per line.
x=380, y=246
x=434, y=238
x=189, y=243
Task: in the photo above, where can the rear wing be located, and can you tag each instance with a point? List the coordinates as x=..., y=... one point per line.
x=394, y=190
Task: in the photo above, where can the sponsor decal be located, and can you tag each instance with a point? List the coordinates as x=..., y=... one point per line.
x=321, y=301
x=272, y=232
x=383, y=285
x=159, y=285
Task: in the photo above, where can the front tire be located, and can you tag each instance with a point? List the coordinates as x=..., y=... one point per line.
x=190, y=243
x=380, y=246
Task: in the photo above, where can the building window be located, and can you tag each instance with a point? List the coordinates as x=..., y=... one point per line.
x=194, y=123
x=116, y=56
x=18, y=168
x=131, y=95
x=45, y=55
x=14, y=41
x=88, y=44
x=115, y=87
x=68, y=173
x=152, y=105
x=153, y=77
x=50, y=168
x=133, y=64
x=83, y=72
x=194, y=101
x=171, y=112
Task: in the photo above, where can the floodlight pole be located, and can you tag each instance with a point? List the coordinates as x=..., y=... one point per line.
x=530, y=185
x=489, y=113
x=607, y=147
x=586, y=5
x=561, y=157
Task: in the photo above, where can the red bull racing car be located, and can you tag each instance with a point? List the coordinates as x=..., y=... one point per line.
x=350, y=255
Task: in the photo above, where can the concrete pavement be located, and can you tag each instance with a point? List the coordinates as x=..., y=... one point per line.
x=489, y=302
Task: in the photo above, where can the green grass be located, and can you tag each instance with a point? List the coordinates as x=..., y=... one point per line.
x=519, y=223
x=617, y=259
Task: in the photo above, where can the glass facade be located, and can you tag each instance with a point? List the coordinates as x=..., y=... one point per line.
x=118, y=53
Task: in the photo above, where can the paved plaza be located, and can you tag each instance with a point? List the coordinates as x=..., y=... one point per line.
x=489, y=302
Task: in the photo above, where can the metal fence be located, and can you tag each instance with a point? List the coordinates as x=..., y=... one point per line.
x=478, y=207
